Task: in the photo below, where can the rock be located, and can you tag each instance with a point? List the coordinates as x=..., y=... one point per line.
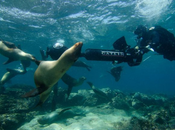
x=53, y=126
x=159, y=120
x=14, y=110
x=149, y=100
x=172, y=123
x=120, y=103
x=135, y=111
x=136, y=104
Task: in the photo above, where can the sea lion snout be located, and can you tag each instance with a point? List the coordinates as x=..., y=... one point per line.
x=77, y=50
x=78, y=44
x=78, y=47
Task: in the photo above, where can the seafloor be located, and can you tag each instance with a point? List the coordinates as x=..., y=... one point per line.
x=86, y=110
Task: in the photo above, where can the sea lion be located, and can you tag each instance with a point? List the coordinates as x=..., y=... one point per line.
x=51, y=117
x=72, y=82
x=82, y=64
x=49, y=72
x=10, y=74
x=116, y=72
x=61, y=115
x=14, y=53
x=98, y=92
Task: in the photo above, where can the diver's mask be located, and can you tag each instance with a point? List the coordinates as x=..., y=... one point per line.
x=58, y=45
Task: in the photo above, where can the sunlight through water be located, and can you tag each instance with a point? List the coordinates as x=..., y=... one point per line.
x=152, y=9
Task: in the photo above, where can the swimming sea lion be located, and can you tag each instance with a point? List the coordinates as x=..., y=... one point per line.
x=49, y=72
x=72, y=82
x=51, y=117
x=98, y=92
x=10, y=74
x=116, y=72
x=13, y=53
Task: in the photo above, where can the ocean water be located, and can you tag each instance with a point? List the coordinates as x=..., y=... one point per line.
x=36, y=24
x=97, y=23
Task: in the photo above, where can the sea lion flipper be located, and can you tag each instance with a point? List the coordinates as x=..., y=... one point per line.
x=90, y=84
x=69, y=91
x=8, y=61
x=62, y=111
x=88, y=68
x=34, y=92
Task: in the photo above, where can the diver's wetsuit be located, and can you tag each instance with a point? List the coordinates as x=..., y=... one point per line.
x=160, y=40
x=55, y=53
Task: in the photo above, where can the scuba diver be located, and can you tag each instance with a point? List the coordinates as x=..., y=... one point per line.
x=156, y=39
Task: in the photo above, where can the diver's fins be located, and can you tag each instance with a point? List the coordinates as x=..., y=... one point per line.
x=120, y=44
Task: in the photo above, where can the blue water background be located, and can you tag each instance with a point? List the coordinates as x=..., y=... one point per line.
x=97, y=23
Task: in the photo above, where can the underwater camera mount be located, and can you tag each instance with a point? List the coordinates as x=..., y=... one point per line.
x=122, y=53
